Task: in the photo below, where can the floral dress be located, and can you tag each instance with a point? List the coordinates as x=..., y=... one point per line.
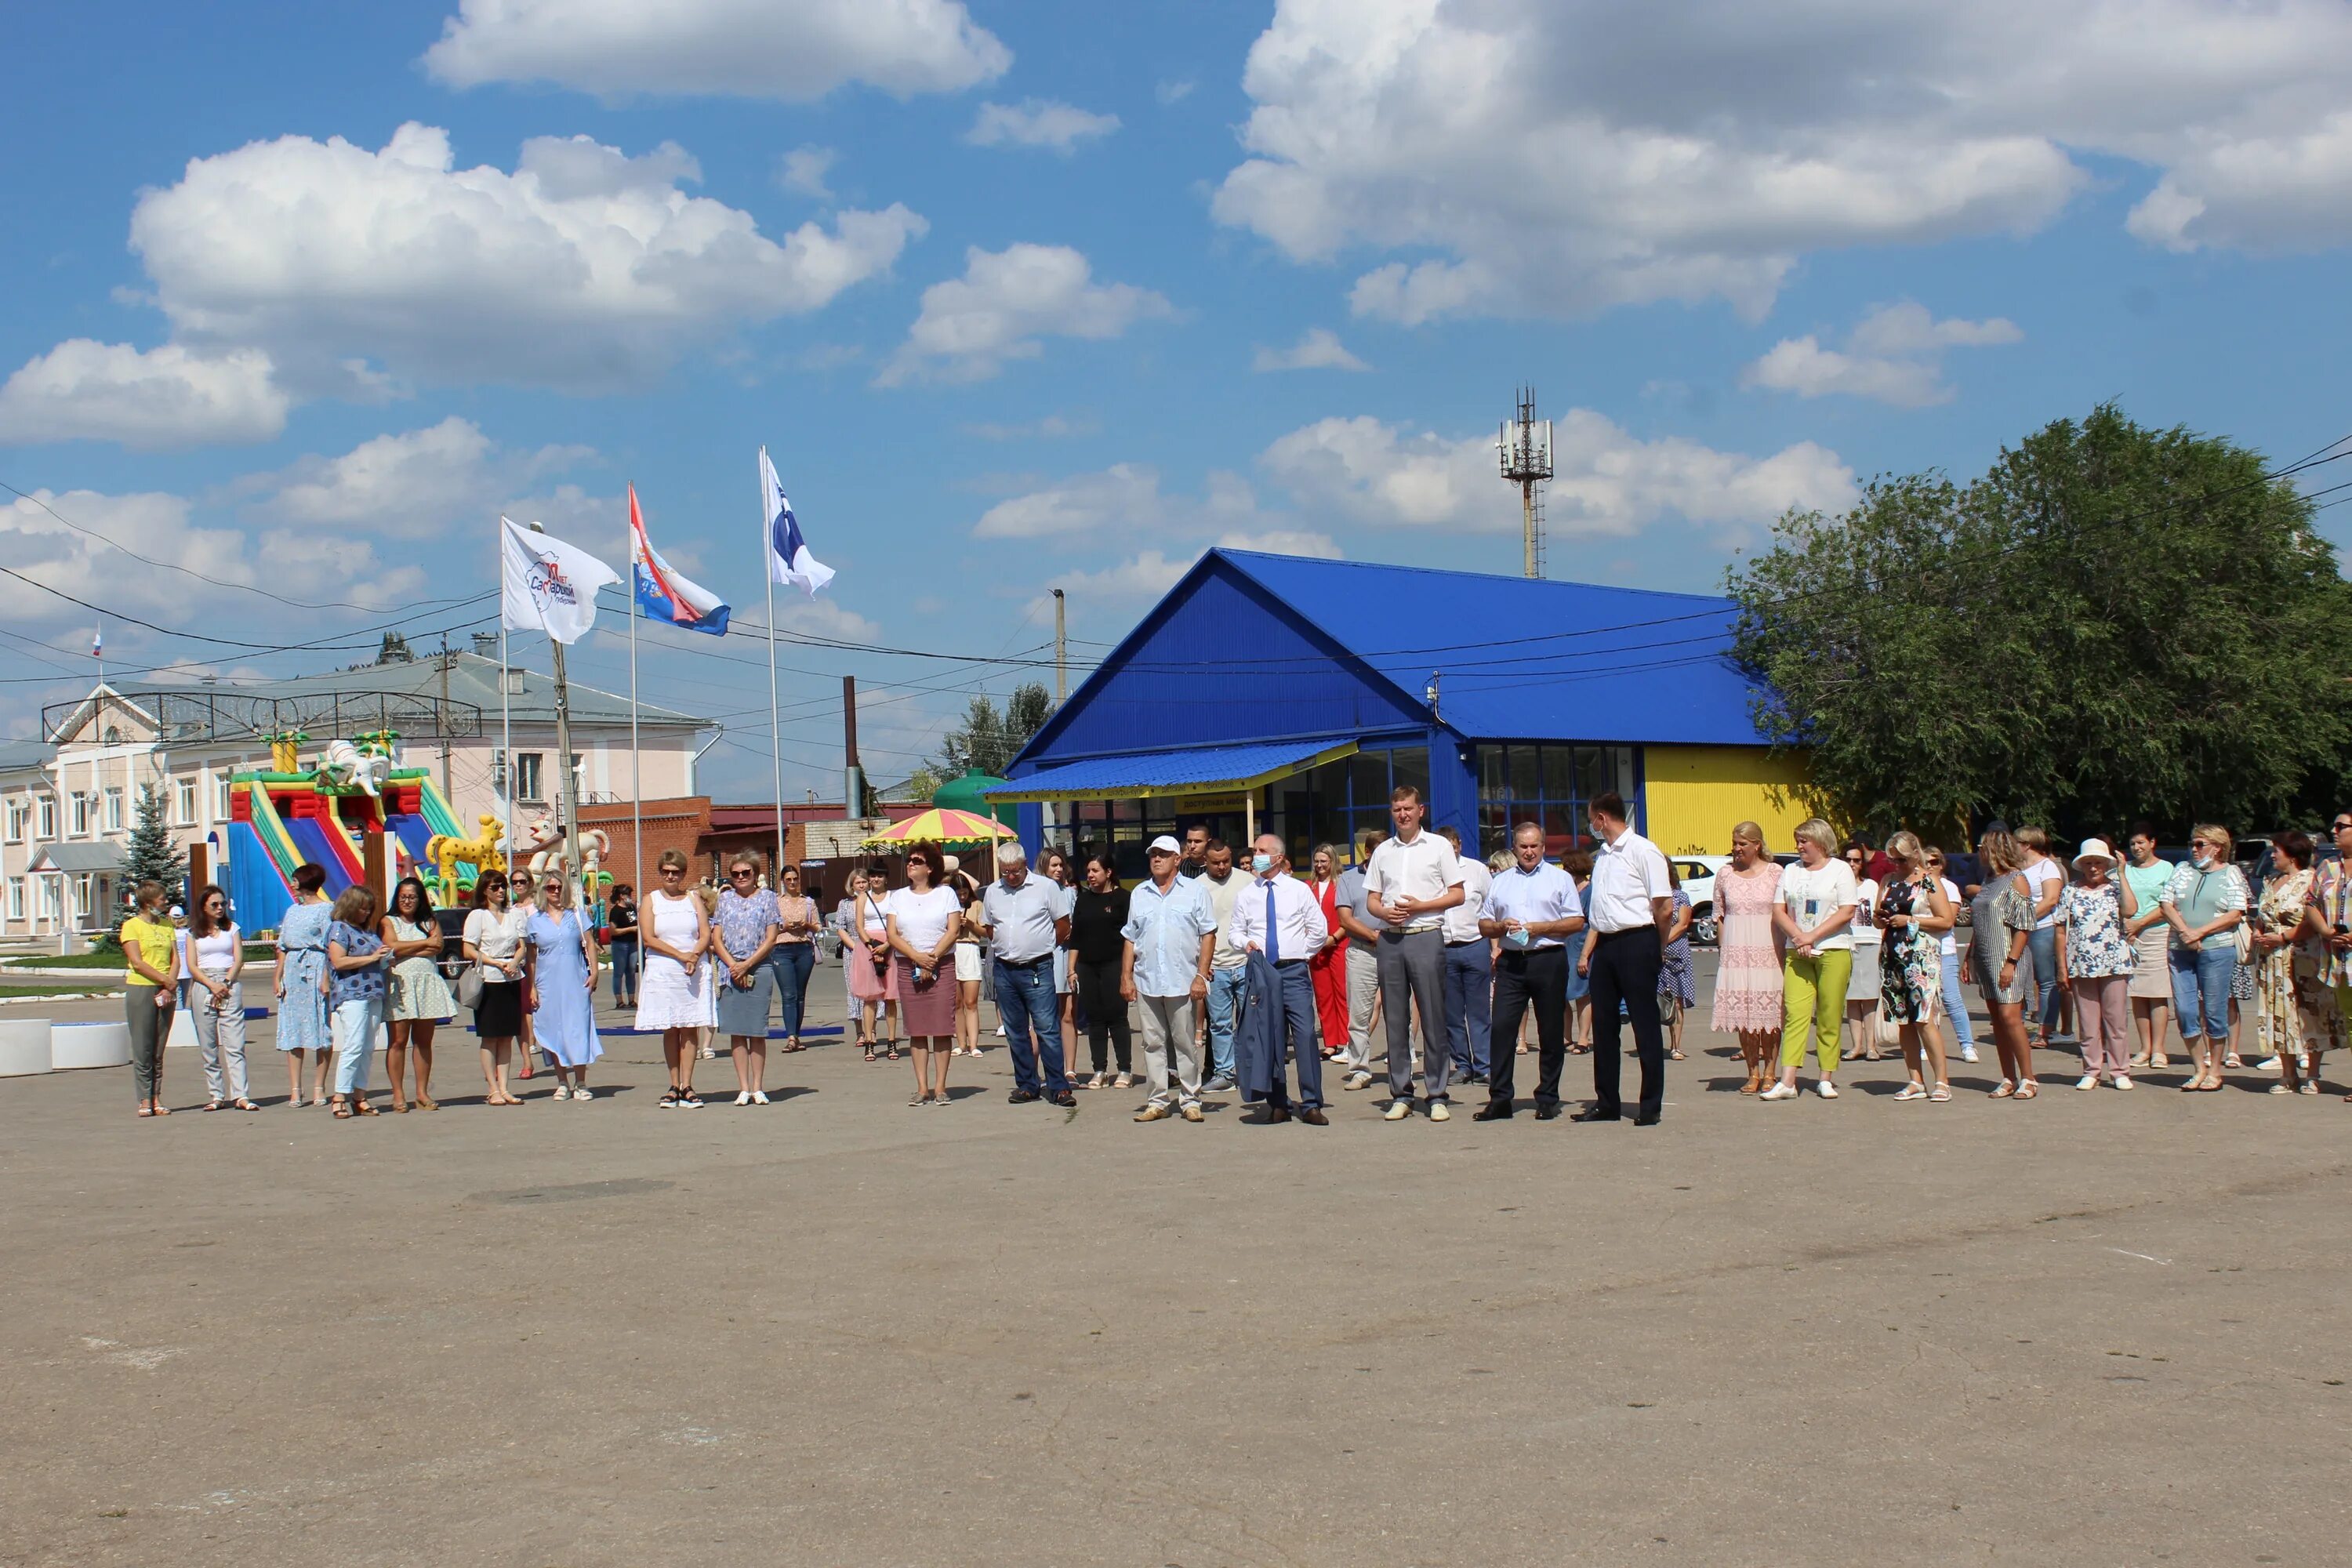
x=2295, y=1009
x=1674, y=965
x=2096, y=947
x=1747, y=953
x=1911, y=960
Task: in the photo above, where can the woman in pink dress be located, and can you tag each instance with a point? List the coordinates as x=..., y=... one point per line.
x=1747, y=955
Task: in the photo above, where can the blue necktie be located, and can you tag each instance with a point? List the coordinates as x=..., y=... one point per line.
x=1273, y=942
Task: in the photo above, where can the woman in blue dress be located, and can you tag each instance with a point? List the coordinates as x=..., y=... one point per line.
x=301, y=984
x=559, y=967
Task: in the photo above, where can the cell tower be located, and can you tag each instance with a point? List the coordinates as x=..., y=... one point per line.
x=1525, y=445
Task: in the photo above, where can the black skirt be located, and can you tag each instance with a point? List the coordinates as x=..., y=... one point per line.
x=498, y=1014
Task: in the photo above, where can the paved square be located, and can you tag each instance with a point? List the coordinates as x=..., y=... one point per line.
x=2096, y=1328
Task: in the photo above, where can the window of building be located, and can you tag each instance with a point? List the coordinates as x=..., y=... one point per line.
x=18, y=814
x=527, y=776
x=221, y=797
x=86, y=894
x=1551, y=784
x=49, y=912
x=17, y=899
x=78, y=813
x=114, y=811
x=48, y=811
x=184, y=803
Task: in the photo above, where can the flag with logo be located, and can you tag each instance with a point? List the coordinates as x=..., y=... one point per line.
x=662, y=593
x=546, y=585
x=789, y=560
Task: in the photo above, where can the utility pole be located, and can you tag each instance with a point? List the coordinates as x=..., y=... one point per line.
x=853, y=777
x=447, y=788
x=1061, y=648
x=571, y=795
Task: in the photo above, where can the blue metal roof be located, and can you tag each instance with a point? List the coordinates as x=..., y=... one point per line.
x=1529, y=658
x=1257, y=645
x=1201, y=768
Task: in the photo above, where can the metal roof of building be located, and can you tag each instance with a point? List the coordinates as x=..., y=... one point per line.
x=472, y=680
x=21, y=757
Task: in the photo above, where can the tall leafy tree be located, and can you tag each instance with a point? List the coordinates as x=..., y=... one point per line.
x=2113, y=622
x=989, y=738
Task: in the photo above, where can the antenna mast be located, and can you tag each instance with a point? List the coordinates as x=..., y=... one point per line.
x=1525, y=448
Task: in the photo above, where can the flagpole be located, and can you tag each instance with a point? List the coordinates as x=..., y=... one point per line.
x=636, y=789
x=775, y=725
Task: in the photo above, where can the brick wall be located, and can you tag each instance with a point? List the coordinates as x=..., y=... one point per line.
x=678, y=823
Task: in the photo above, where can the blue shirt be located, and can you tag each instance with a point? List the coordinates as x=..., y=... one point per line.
x=1354, y=897
x=1021, y=919
x=355, y=985
x=1536, y=898
x=1166, y=928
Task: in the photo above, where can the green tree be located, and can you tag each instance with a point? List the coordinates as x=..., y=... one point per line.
x=2113, y=622
x=989, y=740
x=923, y=782
x=149, y=855
x=394, y=650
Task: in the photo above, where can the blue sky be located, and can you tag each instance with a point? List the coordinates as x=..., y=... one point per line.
x=1028, y=295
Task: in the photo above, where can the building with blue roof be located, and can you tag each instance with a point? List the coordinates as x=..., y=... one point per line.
x=1291, y=694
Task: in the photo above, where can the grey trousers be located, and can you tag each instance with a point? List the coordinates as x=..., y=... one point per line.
x=1170, y=1049
x=220, y=1035
x=1412, y=970
x=1363, y=990
x=149, y=1026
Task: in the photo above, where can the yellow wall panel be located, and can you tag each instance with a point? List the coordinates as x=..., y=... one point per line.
x=1697, y=795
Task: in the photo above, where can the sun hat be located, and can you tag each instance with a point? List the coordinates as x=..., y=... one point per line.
x=2095, y=849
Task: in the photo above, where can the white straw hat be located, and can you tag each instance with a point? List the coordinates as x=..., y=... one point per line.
x=2095, y=849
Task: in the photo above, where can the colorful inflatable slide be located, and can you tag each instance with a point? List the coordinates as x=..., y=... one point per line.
x=280, y=820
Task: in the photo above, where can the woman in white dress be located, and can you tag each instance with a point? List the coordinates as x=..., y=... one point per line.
x=674, y=991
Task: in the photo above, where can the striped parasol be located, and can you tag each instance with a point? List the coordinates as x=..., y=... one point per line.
x=941, y=825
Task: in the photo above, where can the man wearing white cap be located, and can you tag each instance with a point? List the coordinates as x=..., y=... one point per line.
x=1170, y=932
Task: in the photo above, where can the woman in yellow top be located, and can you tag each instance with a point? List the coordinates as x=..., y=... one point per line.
x=150, y=978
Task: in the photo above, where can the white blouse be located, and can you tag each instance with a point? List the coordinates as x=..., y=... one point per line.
x=497, y=936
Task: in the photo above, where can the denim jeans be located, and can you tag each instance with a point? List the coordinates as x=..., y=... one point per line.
x=2203, y=973
x=1469, y=998
x=2042, y=943
x=1226, y=988
x=624, y=970
x=792, y=963
x=1025, y=998
x=1956, y=1004
x=357, y=1024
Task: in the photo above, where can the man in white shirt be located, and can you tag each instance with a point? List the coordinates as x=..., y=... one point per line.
x=1413, y=879
x=1469, y=967
x=1532, y=908
x=1223, y=885
x=1629, y=906
x=1279, y=915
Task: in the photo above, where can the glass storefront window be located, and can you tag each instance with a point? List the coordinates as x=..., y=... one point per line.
x=1409, y=765
x=1527, y=772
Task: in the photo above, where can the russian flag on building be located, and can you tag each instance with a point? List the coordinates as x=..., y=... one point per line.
x=662, y=593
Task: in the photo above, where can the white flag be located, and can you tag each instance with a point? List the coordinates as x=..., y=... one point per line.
x=789, y=560
x=545, y=584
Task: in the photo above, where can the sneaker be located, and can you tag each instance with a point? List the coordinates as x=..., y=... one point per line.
x=760, y=1097
x=583, y=1092
x=1826, y=1089
x=1219, y=1084
x=1398, y=1110
x=2123, y=1081
x=562, y=1092
x=2269, y=1064
x=1357, y=1079
x=1192, y=1111
x=1968, y=1053
x=743, y=1097
x=1437, y=1111
x=2088, y=1080
x=1779, y=1091
x=2310, y=1086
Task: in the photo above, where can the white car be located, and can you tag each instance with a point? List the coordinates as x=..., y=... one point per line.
x=1697, y=872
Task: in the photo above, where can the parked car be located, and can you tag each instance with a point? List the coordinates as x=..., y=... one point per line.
x=1697, y=872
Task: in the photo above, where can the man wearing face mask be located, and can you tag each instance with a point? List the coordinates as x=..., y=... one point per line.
x=1278, y=917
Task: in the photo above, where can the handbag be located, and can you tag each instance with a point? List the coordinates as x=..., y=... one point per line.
x=469, y=986
x=2243, y=933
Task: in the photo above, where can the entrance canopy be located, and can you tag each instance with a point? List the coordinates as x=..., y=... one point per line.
x=1196, y=770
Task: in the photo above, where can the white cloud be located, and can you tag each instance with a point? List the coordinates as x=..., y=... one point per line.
x=1145, y=576
x=1123, y=496
x=1284, y=542
x=1607, y=481
x=1038, y=123
x=413, y=482
x=1173, y=92
x=1894, y=355
x=167, y=396
x=1005, y=303
x=1563, y=156
x=787, y=49
x=583, y=270
x=1320, y=348
x=1051, y=427
x=822, y=617
x=802, y=170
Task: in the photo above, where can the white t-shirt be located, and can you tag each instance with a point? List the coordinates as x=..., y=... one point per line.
x=923, y=917
x=2038, y=876
x=1461, y=923
x=1866, y=914
x=1812, y=894
x=217, y=950
x=1951, y=891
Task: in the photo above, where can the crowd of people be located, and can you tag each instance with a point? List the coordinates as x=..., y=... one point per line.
x=1255, y=979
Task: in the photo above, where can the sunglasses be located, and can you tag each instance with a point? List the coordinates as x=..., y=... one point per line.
x=742, y=871
x=2339, y=827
